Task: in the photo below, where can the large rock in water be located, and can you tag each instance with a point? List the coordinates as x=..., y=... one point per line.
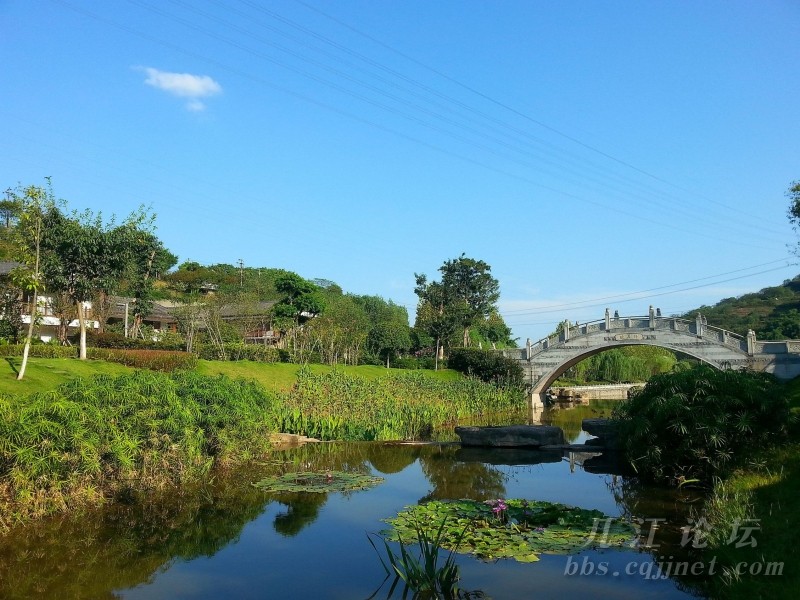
x=606, y=431
x=512, y=436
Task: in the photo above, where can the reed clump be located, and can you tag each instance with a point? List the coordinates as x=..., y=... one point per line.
x=92, y=438
x=403, y=406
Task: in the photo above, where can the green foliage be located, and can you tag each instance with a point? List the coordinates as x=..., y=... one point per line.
x=466, y=296
x=111, y=339
x=298, y=297
x=423, y=575
x=493, y=330
x=512, y=528
x=700, y=423
x=389, y=332
x=318, y=483
x=78, y=442
x=486, y=365
x=395, y=406
x=191, y=276
x=38, y=351
x=771, y=312
x=238, y=351
x=764, y=494
x=155, y=360
x=626, y=364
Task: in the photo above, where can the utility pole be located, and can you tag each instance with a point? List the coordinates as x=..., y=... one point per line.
x=241, y=273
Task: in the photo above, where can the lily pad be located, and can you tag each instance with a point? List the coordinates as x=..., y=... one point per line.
x=512, y=528
x=329, y=481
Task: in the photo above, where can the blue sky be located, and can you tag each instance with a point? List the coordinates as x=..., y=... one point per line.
x=617, y=153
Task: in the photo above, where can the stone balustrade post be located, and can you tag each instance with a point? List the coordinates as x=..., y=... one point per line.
x=751, y=342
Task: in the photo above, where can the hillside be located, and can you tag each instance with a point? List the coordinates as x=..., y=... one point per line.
x=773, y=313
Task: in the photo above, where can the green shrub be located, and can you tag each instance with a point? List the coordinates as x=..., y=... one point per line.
x=110, y=339
x=699, y=423
x=90, y=437
x=486, y=365
x=39, y=351
x=240, y=351
x=155, y=360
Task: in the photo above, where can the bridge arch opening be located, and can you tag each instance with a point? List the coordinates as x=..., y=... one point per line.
x=546, y=381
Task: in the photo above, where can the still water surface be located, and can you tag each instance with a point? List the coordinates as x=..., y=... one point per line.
x=226, y=539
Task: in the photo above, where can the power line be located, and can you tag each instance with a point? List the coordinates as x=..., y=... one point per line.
x=578, y=303
x=509, y=108
x=394, y=110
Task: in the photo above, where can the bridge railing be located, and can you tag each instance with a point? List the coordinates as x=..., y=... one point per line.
x=697, y=327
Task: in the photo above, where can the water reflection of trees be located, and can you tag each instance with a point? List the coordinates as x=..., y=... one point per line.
x=122, y=546
x=392, y=458
x=87, y=556
x=674, y=509
x=570, y=417
x=452, y=479
x=302, y=509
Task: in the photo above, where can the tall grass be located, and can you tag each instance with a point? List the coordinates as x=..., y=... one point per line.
x=93, y=438
x=405, y=406
x=90, y=438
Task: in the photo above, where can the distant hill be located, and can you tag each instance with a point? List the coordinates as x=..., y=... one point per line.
x=773, y=313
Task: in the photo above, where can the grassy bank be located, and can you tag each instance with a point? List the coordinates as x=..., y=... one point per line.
x=48, y=373
x=91, y=439
x=764, y=494
x=94, y=439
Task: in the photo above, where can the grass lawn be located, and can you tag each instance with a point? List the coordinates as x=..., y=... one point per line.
x=773, y=493
x=48, y=373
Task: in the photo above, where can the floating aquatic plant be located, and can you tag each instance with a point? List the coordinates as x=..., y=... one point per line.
x=511, y=528
x=329, y=481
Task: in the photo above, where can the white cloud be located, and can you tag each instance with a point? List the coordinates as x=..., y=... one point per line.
x=183, y=85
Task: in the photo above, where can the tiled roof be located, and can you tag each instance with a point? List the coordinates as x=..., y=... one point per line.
x=7, y=266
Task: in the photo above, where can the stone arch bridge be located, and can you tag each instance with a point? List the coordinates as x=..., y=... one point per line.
x=545, y=360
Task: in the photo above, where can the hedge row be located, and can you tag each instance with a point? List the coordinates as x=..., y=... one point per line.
x=166, y=361
x=39, y=351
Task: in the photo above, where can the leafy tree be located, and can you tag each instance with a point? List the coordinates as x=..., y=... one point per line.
x=434, y=316
x=147, y=259
x=82, y=254
x=11, y=307
x=10, y=209
x=494, y=331
x=340, y=332
x=299, y=300
x=487, y=366
x=34, y=203
x=389, y=330
x=466, y=296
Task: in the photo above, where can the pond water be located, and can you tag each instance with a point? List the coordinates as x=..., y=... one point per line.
x=227, y=539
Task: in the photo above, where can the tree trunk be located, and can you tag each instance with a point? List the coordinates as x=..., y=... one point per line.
x=82, y=325
x=28, y=338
